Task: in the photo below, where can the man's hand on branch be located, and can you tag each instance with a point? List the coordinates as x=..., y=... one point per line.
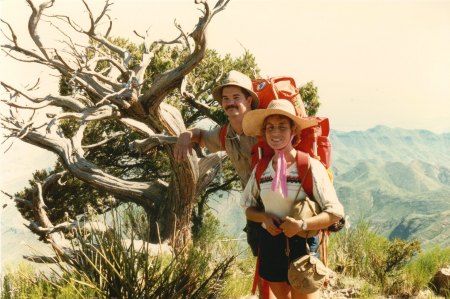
x=183, y=146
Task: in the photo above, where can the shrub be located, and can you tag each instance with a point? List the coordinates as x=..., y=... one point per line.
x=418, y=273
x=362, y=253
x=106, y=265
x=102, y=266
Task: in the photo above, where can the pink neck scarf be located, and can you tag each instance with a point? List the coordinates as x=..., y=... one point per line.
x=279, y=183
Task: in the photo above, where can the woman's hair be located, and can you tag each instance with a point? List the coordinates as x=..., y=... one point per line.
x=295, y=140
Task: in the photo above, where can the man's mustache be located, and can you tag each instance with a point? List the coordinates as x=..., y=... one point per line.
x=231, y=106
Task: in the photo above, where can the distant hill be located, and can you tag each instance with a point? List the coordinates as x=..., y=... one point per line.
x=397, y=179
x=382, y=143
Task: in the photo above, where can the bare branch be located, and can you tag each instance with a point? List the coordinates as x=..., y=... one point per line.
x=143, y=146
x=184, y=35
x=25, y=130
x=138, y=126
x=66, y=227
x=39, y=208
x=173, y=78
x=102, y=14
x=220, y=5
x=38, y=59
x=33, y=23
x=190, y=98
x=13, y=35
x=70, y=103
x=19, y=200
x=209, y=167
x=89, y=114
x=101, y=78
x=104, y=141
x=94, y=62
x=18, y=92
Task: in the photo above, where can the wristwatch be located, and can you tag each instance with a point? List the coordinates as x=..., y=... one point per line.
x=304, y=226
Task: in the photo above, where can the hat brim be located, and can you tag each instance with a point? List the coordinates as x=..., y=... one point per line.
x=253, y=121
x=217, y=94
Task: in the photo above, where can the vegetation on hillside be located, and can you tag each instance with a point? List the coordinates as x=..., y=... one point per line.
x=215, y=266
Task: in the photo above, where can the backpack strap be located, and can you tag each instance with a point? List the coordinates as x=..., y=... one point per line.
x=261, y=166
x=304, y=173
x=259, y=150
x=223, y=135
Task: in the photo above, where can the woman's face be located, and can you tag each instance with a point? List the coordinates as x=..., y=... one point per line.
x=278, y=131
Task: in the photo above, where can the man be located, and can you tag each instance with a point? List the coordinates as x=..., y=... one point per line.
x=237, y=98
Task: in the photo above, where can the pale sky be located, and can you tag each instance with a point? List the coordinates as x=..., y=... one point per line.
x=374, y=62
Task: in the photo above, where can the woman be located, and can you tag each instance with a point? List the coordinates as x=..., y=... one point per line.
x=279, y=189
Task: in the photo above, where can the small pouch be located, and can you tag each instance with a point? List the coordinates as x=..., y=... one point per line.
x=307, y=274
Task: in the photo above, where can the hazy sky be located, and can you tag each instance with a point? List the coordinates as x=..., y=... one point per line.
x=374, y=62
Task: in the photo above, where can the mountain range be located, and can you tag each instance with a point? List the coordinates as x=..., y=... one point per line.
x=398, y=180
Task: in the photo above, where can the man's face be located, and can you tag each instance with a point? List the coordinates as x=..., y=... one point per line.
x=234, y=101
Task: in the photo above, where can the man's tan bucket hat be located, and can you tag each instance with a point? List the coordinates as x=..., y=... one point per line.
x=236, y=78
x=253, y=120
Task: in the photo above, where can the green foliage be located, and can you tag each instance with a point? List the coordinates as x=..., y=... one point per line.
x=310, y=97
x=211, y=238
x=418, y=274
x=25, y=283
x=360, y=252
x=134, y=221
x=106, y=267
x=209, y=232
x=240, y=279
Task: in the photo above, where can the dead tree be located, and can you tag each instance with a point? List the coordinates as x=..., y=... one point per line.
x=117, y=92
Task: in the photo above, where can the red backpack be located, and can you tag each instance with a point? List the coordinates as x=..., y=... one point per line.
x=278, y=88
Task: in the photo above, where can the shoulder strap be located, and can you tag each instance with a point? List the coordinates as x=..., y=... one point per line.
x=223, y=135
x=261, y=166
x=304, y=173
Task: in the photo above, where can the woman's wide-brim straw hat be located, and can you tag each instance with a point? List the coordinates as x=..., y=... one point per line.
x=254, y=120
x=236, y=78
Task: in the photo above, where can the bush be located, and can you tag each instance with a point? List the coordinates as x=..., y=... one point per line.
x=358, y=252
x=362, y=253
x=419, y=272
x=102, y=266
x=23, y=282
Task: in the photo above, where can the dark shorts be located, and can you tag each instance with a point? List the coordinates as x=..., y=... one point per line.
x=273, y=261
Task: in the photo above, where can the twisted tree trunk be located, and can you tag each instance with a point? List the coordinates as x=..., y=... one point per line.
x=113, y=93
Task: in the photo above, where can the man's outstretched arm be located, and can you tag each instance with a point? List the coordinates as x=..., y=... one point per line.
x=184, y=143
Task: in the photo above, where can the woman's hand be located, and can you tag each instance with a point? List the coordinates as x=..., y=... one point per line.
x=291, y=226
x=272, y=224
